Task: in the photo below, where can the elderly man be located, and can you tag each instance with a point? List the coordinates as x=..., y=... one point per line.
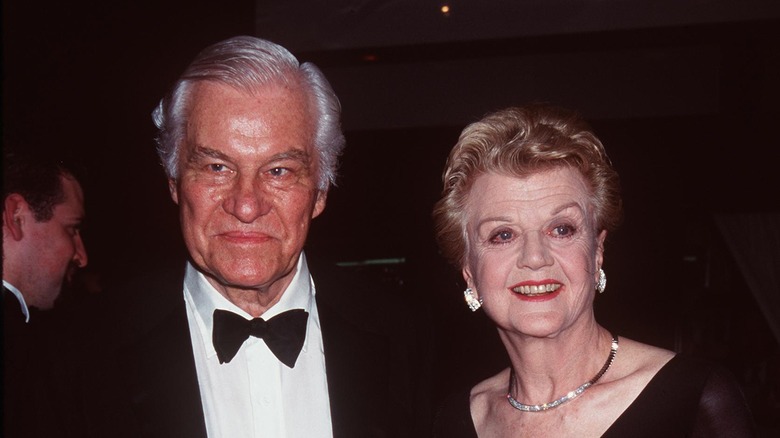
x=43, y=208
x=248, y=341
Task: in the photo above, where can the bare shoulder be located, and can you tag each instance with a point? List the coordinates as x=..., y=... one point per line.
x=640, y=360
x=485, y=393
x=635, y=366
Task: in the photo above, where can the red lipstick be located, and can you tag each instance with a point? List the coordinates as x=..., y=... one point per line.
x=537, y=290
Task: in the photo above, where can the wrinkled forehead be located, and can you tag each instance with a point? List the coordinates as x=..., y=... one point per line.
x=537, y=195
x=218, y=99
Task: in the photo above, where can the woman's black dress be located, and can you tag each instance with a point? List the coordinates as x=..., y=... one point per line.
x=686, y=398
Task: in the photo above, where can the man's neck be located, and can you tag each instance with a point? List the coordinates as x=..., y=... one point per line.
x=255, y=301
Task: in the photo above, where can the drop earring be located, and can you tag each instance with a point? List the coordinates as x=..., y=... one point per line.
x=471, y=300
x=602, y=284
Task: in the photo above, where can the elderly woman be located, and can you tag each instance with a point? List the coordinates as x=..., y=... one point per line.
x=529, y=197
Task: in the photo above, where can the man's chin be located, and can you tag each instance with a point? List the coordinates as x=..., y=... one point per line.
x=242, y=272
x=70, y=292
x=249, y=281
x=50, y=304
x=64, y=296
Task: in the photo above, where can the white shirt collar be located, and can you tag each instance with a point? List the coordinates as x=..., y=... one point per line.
x=204, y=298
x=20, y=297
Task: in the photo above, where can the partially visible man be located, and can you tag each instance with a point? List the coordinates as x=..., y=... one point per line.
x=247, y=340
x=43, y=209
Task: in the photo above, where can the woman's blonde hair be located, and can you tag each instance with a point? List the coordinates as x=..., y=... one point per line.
x=519, y=142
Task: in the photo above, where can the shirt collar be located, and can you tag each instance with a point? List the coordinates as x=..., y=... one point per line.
x=20, y=297
x=204, y=299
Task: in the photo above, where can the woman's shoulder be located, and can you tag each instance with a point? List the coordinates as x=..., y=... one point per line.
x=486, y=395
x=486, y=391
x=638, y=361
x=682, y=392
x=492, y=385
x=635, y=366
x=641, y=363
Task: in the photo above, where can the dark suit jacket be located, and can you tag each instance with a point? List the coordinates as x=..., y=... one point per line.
x=143, y=382
x=27, y=359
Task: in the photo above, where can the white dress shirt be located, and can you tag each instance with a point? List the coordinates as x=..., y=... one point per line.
x=18, y=294
x=255, y=395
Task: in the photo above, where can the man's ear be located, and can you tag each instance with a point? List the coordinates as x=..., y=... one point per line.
x=319, y=203
x=14, y=207
x=174, y=190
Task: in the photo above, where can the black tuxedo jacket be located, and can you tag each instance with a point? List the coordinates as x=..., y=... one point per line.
x=136, y=377
x=26, y=364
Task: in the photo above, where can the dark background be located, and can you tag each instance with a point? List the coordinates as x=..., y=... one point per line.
x=683, y=94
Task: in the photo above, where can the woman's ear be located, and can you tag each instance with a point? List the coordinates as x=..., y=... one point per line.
x=467, y=277
x=600, y=249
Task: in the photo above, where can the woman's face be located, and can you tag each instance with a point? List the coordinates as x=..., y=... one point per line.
x=533, y=255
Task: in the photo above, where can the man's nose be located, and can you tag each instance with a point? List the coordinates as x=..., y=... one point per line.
x=80, y=256
x=247, y=200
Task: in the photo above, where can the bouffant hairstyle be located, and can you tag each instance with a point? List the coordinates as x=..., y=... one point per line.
x=521, y=141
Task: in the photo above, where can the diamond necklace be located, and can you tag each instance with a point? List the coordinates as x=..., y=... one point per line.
x=568, y=397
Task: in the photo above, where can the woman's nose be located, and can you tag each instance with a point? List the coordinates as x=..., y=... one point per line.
x=534, y=252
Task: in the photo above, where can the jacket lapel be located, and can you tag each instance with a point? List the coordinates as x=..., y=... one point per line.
x=355, y=362
x=163, y=381
x=141, y=381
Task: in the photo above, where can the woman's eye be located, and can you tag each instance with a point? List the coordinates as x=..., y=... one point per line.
x=502, y=236
x=563, y=231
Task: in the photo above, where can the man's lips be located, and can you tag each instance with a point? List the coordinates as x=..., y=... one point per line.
x=244, y=237
x=536, y=288
x=70, y=273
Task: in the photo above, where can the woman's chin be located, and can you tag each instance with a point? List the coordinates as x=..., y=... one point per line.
x=534, y=325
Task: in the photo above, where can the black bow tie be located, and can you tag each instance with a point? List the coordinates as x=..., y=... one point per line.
x=284, y=334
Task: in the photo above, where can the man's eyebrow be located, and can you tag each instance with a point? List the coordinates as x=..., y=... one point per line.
x=292, y=154
x=203, y=151
x=76, y=220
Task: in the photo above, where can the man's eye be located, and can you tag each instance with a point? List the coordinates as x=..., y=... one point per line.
x=216, y=167
x=279, y=171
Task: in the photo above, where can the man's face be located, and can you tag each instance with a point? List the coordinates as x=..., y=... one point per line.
x=53, y=249
x=247, y=185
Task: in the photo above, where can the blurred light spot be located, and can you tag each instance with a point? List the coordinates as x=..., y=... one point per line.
x=370, y=262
